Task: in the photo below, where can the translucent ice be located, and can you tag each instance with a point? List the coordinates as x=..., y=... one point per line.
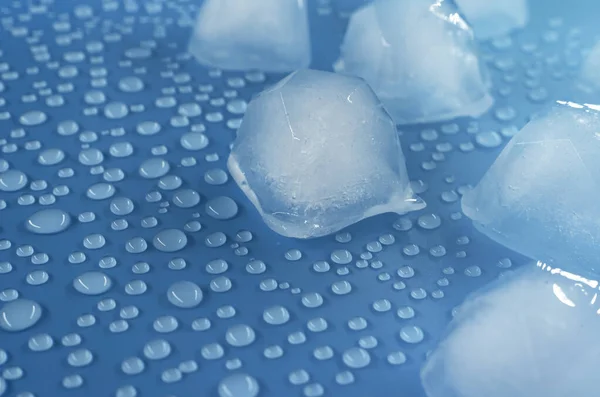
x=420, y=58
x=317, y=152
x=540, y=197
x=533, y=333
x=491, y=18
x=270, y=35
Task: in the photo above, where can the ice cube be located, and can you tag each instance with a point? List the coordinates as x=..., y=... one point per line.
x=419, y=56
x=492, y=18
x=268, y=35
x=540, y=197
x=533, y=333
x=317, y=152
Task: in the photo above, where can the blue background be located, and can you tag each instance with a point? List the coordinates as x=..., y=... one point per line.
x=62, y=305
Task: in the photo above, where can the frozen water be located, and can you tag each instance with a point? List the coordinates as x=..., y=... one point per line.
x=532, y=333
x=317, y=152
x=492, y=18
x=540, y=197
x=420, y=58
x=269, y=35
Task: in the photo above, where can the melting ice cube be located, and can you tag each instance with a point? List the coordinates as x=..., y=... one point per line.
x=269, y=35
x=492, y=18
x=533, y=333
x=540, y=197
x=420, y=58
x=317, y=152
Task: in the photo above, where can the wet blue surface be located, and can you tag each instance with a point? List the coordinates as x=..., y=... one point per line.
x=544, y=58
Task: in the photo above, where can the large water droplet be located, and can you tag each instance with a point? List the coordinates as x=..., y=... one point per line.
x=238, y=385
x=240, y=335
x=48, y=221
x=185, y=294
x=12, y=180
x=221, y=208
x=19, y=315
x=34, y=117
x=170, y=240
x=92, y=283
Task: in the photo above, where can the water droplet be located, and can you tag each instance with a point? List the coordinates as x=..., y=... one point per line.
x=429, y=221
x=131, y=84
x=170, y=240
x=220, y=284
x=12, y=180
x=80, y=358
x=132, y=366
x=48, y=221
x=240, y=335
x=100, y=191
x=299, y=377
x=154, y=168
x=40, y=343
x=213, y=351
x=215, y=176
x=293, y=255
x=92, y=283
x=194, y=141
x=411, y=334
x=215, y=240
x=221, y=208
x=341, y=257
x=32, y=118
x=186, y=198
x=276, y=315
x=51, y=157
x=341, y=287
x=19, y=315
x=157, y=349
x=488, y=139
x=185, y=294
x=396, y=358
x=238, y=385
x=356, y=357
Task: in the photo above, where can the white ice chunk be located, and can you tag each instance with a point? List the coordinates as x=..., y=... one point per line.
x=420, y=58
x=268, y=35
x=317, y=152
x=492, y=18
x=533, y=333
x=540, y=197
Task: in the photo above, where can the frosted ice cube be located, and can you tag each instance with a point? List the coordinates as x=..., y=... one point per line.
x=317, y=152
x=419, y=56
x=540, y=197
x=492, y=18
x=533, y=333
x=269, y=35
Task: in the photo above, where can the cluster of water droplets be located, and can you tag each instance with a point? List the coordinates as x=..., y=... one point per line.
x=113, y=176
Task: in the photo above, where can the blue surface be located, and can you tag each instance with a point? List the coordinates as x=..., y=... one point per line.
x=43, y=372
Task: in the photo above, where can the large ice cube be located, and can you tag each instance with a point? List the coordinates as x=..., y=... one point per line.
x=540, y=197
x=420, y=58
x=533, y=333
x=491, y=18
x=269, y=35
x=317, y=152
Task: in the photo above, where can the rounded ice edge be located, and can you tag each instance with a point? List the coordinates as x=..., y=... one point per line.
x=474, y=109
x=400, y=204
